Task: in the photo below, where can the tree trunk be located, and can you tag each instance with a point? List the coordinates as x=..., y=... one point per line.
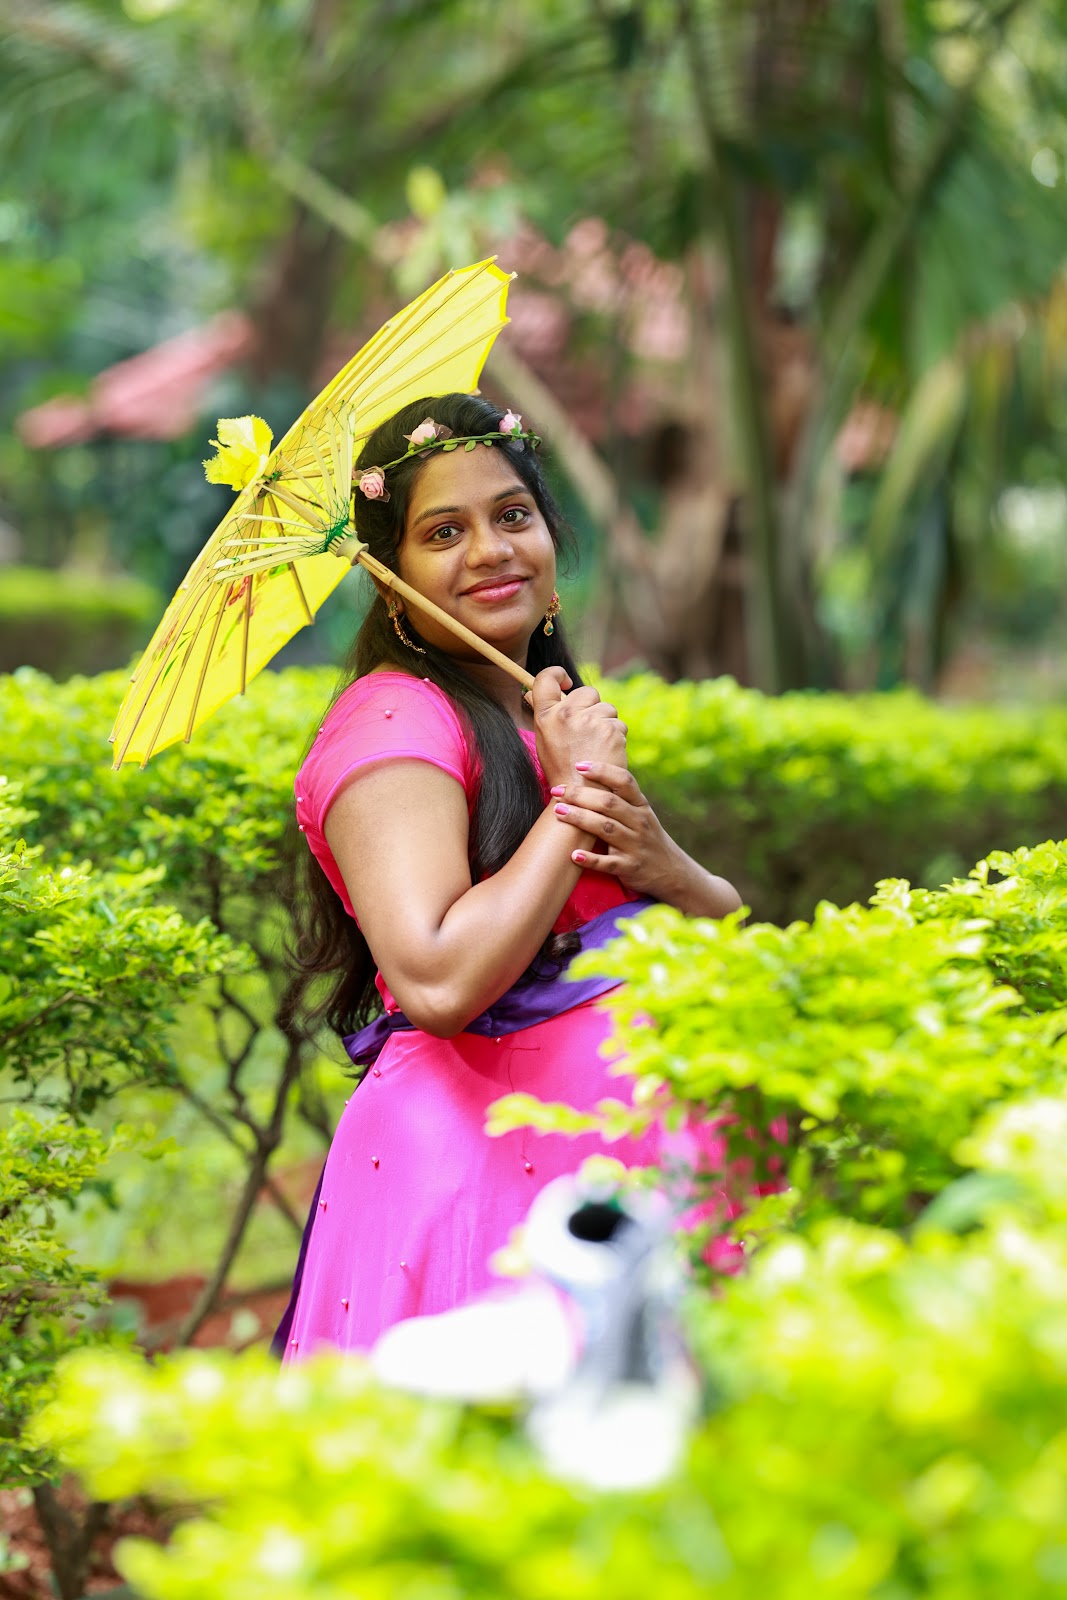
x=68, y=1537
x=293, y=306
x=775, y=644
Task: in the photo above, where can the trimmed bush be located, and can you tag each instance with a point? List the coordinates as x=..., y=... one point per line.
x=887, y=1419
x=91, y=970
x=877, y=1035
x=796, y=799
x=46, y=1296
x=817, y=796
x=68, y=621
x=787, y=796
x=887, y=1381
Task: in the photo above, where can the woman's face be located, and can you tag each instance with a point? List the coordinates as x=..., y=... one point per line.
x=475, y=543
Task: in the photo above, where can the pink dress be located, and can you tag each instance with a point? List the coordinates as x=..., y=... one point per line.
x=415, y=1196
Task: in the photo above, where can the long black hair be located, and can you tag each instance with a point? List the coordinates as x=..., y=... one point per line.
x=328, y=945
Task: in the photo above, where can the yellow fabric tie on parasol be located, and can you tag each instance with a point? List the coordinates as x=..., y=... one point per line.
x=273, y=559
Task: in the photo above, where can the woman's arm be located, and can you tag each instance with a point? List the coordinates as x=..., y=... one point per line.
x=604, y=800
x=448, y=948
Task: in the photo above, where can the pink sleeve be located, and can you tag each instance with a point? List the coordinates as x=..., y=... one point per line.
x=386, y=716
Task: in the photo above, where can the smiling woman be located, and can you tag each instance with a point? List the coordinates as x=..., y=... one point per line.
x=488, y=557
x=465, y=841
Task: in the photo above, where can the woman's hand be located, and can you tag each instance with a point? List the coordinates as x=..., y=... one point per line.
x=573, y=727
x=604, y=800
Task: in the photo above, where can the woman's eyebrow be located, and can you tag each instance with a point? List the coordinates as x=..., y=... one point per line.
x=451, y=511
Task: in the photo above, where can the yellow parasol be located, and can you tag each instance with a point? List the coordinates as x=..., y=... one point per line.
x=273, y=559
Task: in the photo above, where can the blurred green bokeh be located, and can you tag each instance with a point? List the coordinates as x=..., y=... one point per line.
x=794, y=278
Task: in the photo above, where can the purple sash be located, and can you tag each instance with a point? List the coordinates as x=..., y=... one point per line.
x=521, y=1007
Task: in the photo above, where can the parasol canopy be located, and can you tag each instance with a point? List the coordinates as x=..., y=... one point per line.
x=255, y=584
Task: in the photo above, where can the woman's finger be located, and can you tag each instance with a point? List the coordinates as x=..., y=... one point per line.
x=612, y=829
x=604, y=801
x=583, y=699
x=548, y=688
x=618, y=779
x=589, y=861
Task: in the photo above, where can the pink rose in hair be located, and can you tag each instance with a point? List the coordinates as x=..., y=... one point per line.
x=511, y=423
x=372, y=483
x=425, y=433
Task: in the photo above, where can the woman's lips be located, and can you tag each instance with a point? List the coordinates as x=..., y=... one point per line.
x=488, y=593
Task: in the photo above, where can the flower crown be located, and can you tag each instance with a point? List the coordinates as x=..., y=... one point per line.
x=431, y=435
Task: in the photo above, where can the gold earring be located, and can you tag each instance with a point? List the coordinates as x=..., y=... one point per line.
x=395, y=615
x=553, y=611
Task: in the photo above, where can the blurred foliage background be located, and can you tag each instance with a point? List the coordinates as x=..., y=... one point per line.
x=791, y=314
x=791, y=307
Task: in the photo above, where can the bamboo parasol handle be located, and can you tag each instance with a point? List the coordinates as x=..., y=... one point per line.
x=389, y=578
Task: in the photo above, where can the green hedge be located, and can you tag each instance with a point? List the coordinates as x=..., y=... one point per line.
x=796, y=799
x=887, y=1380
x=68, y=621
x=887, y=1407
x=811, y=797
x=789, y=797
x=92, y=969
x=878, y=1035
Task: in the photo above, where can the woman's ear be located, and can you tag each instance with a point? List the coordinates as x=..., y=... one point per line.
x=386, y=594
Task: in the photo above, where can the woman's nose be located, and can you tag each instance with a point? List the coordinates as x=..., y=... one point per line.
x=488, y=545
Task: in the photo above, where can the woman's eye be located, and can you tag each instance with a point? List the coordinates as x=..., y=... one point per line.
x=514, y=515
x=439, y=535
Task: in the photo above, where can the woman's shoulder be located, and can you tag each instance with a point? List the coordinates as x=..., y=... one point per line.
x=384, y=715
x=393, y=693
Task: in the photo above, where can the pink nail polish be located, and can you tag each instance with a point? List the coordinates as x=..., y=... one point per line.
x=560, y=788
x=561, y=811
x=579, y=857
x=583, y=766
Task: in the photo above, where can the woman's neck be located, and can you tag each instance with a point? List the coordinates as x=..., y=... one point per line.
x=502, y=688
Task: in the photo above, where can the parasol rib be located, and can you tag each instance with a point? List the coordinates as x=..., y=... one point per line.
x=320, y=463
x=170, y=697
x=250, y=582
x=386, y=399
x=308, y=613
x=180, y=621
x=387, y=375
x=269, y=505
x=198, y=691
x=337, y=454
x=289, y=464
x=301, y=544
x=279, y=522
x=400, y=327
x=297, y=505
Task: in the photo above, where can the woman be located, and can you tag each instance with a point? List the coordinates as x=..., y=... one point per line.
x=467, y=839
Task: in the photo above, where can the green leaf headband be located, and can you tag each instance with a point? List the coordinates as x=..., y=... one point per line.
x=431, y=435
